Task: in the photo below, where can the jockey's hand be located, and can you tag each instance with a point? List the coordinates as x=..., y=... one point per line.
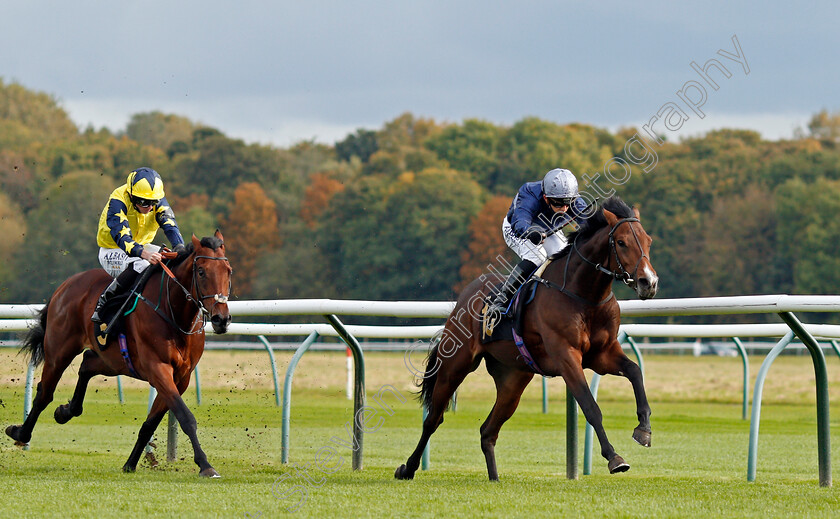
x=179, y=248
x=152, y=257
x=535, y=237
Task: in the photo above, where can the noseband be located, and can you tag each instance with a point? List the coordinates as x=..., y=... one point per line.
x=217, y=298
x=198, y=300
x=620, y=273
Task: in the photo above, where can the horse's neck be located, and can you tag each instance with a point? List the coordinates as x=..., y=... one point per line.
x=579, y=277
x=183, y=309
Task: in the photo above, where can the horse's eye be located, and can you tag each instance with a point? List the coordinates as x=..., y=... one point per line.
x=200, y=272
x=621, y=243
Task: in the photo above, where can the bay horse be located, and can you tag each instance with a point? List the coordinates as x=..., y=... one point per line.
x=164, y=344
x=571, y=324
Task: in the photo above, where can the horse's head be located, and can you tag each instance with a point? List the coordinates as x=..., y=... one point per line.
x=211, y=279
x=630, y=254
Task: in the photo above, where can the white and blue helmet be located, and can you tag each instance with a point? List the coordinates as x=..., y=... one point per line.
x=560, y=183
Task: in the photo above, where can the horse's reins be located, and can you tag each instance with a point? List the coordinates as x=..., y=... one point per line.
x=203, y=312
x=619, y=274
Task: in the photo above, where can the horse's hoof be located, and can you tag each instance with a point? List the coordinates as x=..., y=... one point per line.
x=641, y=436
x=128, y=469
x=401, y=473
x=13, y=432
x=62, y=415
x=617, y=464
x=209, y=472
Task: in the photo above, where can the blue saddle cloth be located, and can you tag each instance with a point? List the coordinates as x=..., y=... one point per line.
x=513, y=318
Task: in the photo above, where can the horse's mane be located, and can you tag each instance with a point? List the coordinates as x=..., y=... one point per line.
x=210, y=242
x=595, y=223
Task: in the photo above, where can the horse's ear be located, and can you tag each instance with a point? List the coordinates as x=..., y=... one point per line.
x=195, y=242
x=636, y=212
x=612, y=219
x=218, y=234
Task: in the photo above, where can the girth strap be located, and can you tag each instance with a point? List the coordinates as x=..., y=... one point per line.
x=126, y=357
x=523, y=350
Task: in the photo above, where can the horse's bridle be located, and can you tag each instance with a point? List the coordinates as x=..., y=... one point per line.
x=198, y=300
x=217, y=298
x=620, y=273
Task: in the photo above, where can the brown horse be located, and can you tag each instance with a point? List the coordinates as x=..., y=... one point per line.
x=164, y=344
x=572, y=324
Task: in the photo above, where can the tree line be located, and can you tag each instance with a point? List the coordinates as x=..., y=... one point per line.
x=413, y=210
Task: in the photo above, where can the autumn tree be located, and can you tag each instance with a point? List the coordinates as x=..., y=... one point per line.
x=471, y=147
x=13, y=231
x=250, y=229
x=400, y=239
x=316, y=197
x=61, y=240
x=486, y=244
x=160, y=130
x=825, y=126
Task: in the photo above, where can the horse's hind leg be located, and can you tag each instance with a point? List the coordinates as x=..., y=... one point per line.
x=92, y=365
x=510, y=384
x=446, y=380
x=53, y=369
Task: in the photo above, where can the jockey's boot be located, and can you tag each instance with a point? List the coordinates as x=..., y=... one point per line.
x=520, y=273
x=119, y=285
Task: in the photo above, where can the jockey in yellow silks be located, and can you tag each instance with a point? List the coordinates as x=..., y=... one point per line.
x=127, y=226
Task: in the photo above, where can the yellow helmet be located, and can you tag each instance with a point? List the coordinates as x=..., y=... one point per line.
x=145, y=183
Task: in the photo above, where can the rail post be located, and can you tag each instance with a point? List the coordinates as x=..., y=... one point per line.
x=27, y=394
x=287, y=395
x=821, y=375
x=571, y=435
x=746, y=398
x=755, y=420
x=358, y=383
x=270, y=351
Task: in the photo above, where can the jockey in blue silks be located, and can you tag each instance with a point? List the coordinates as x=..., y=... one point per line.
x=538, y=207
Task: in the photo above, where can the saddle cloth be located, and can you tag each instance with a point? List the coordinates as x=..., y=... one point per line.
x=513, y=318
x=118, y=307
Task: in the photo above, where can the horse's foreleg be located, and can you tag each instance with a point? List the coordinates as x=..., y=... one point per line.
x=163, y=381
x=510, y=384
x=630, y=370
x=92, y=365
x=576, y=382
x=156, y=414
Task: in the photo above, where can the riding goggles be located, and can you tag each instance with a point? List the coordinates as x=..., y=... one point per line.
x=143, y=202
x=560, y=202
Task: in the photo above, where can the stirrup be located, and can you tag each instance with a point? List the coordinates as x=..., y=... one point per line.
x=491, y=316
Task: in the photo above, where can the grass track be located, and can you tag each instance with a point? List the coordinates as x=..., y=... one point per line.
x=696, y=467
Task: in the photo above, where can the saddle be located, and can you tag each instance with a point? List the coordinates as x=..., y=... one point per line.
x=117, y=308
x=503, y=327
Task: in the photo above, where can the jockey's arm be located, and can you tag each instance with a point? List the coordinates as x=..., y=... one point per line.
x=166, y=220
x=525, y=210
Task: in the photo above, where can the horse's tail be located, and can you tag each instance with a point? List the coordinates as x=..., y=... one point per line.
x=427, y=385
x=33, y=341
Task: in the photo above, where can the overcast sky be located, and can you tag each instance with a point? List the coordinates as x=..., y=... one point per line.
x=281, y=72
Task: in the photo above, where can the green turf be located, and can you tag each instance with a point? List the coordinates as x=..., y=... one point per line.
x=696, y=467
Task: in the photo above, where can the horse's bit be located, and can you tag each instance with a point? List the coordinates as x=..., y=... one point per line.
x=620, y=273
